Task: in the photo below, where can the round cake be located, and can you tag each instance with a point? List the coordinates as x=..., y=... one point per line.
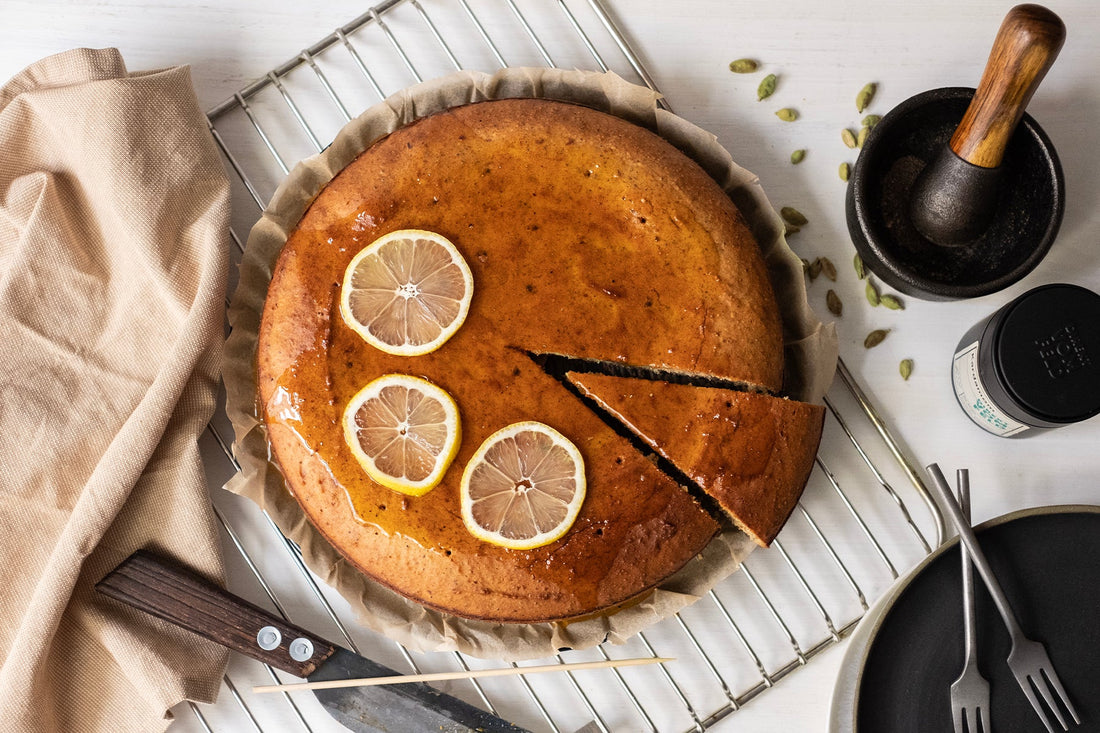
x=595, y=245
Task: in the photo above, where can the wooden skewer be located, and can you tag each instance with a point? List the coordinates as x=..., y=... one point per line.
x=470, y=674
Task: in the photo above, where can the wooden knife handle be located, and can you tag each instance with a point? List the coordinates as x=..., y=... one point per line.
x=1026, y=45
x=165, y=590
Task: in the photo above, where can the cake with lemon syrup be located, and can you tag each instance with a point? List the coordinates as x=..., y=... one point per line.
x=586, y=236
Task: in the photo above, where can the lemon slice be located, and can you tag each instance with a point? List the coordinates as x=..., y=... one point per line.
x=404, y=431
x=407, y=292
x=523, y=487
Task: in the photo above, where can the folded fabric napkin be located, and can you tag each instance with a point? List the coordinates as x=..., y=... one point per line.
x=113, y=215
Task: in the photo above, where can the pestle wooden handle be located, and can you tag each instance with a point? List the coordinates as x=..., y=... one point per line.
x=1026, y=45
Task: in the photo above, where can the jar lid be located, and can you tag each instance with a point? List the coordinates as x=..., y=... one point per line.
x=1047, y=352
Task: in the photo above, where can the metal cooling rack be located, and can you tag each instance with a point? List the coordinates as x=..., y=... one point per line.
x=852, y=531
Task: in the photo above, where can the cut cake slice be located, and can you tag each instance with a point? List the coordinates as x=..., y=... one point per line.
x=750, y=452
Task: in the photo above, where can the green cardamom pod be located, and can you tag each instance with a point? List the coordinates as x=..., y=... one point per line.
x=787, y=114
x=892, y=302
x=743, y=66
x=872, y=294
x=870, y=121
x=828, y=268
x=905, y=368
x=815, y=269
x=861, y=271
x=805, y=266
x=832, y=302
x=875, y=338
x=866, y=94
x=848, y=137
x=766, y=88
x=792, y=215
x=789, y=229
x=798, y=156
x=862, y=136
x=844, y=171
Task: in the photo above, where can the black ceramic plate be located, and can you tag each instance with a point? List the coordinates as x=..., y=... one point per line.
x=1049, y=566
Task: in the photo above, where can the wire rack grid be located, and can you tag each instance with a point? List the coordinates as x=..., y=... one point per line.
x=850, y=537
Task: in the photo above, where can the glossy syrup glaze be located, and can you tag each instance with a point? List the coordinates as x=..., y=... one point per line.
x=586, y=236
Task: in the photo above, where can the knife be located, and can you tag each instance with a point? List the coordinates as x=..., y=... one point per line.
x=163, y=589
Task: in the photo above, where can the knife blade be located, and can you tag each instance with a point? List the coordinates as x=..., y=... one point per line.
x=161, y=588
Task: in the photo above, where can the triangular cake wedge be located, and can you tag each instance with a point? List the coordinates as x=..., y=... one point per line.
x=750, y=452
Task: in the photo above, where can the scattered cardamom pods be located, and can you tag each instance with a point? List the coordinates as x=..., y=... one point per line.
x=892, y=302
x=798, y=156
x=766, y=88
x=792, y=215
x=866, y=94
x=815, y=269
x=905, y=368
x=844, y=171
x=861, y=271
x=862, y=136
x=872, y=294
x=828, y=268
x=832, y=302
x=787, y=114
x=744, y=66
x=870, y=121
x=875, y=338
x=848, y=137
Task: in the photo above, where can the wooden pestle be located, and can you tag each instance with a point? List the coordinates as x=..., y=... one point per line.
x=955, y=198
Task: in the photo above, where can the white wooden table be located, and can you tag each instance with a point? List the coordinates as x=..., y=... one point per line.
x=824, y=52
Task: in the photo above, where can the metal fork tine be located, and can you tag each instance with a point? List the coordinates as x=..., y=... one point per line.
x=1025, y=685
x=958, y=714
x=1044, y=690
x=1052, y=677
x=972, y=720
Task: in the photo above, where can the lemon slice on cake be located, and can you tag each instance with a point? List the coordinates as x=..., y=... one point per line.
x=407, y=292
x=404, y=431
x=523, y=488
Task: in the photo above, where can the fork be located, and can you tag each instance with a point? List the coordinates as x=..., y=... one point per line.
x=970, y=692
x=1028, y=660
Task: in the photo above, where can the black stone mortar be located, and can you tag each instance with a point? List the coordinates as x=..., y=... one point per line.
x=1029, y=208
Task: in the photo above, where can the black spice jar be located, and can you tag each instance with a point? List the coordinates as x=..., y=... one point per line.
x=1033, y=364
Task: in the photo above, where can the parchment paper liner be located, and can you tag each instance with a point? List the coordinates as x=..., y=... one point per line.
x=810, y=349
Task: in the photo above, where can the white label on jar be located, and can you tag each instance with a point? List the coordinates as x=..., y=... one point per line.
x=975, y=400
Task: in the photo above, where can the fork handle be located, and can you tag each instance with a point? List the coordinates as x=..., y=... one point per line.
x=970, y=625
x=970, y=541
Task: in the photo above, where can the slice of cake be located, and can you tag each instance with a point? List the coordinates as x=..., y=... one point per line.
x=752, y=453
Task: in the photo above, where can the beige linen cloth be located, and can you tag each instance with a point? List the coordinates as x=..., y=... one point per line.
x=113, y=211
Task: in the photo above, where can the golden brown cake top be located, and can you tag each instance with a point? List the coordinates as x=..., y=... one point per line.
x=587, y=236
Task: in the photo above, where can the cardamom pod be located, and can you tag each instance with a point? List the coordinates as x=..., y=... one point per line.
x=744, y=66
x=861, y=271
x=828, y=268
x=875, y=338
x=805, y=266
x=872, y=294
x=905, y=368
x=862, y=136
x=832, y=302
x=844, y=171
x=798, y=156
x=792, y=215
x=766, y=88
x=892, y=302
x=815, y=269
x=870, y=121
x=789, y=229
x=787, y=114
x=848, y=137
x=866, y=94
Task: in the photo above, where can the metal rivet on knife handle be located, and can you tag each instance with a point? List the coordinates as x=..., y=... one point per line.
x=301, y=649
x=269, y=638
